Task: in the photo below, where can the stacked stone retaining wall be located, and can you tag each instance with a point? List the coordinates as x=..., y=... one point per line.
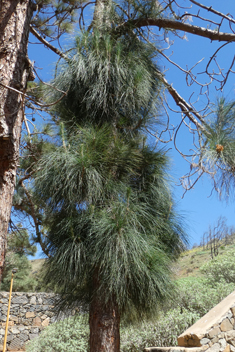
x=30, y=313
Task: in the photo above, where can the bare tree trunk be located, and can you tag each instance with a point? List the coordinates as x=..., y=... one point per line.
x=15, y=16
x=104, y=321
x=101, y=15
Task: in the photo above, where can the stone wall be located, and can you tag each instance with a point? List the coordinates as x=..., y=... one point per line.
x=219, y=338
x=29, y=314
x=215, y=330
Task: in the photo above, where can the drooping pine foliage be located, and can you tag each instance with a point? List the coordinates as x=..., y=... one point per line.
x=107, y=193
x=111, y=208
x=108, y=80
x=218, y=152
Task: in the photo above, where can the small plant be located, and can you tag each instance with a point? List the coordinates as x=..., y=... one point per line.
x=70, y=335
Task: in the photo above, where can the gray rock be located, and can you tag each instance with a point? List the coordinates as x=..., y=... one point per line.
x=232, y=348
x=223, y=344
x=214, y=348
x=15, y=331
x=16, y=344
x=20, y=300
x=23, y=337
x=14, y=306
x=204, y=341
x=3, y=317
x=3, y=300
x=33, y=300
x=230, y=337
x=39, y=300
x=10, y=337
x=21, y=328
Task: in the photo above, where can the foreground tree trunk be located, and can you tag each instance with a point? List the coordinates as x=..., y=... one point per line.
x=15, y=16
x=104, y=321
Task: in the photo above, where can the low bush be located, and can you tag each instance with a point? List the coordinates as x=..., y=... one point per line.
x=220, y=269
x=70, y=335
x=197, y=295
x=163, y=332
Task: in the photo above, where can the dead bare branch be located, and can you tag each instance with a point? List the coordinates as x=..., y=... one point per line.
x=30, y=98
x=47, y=44
x=165, y=23
x=211, y=9
x=184, y=106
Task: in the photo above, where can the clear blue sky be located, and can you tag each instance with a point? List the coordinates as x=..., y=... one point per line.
x=198, y=208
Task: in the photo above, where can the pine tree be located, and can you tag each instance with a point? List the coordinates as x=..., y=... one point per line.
x=19, y=247
x=113, y=230
x=48, y=20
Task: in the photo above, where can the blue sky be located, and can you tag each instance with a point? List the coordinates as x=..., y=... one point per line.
x=198, y=207
x=201, y=209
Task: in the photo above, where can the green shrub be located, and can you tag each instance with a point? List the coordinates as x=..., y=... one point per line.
x=220, y=269
x=163, y=332
x=70, y=335
x=197, y=295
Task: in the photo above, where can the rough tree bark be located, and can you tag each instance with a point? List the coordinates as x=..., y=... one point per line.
x=104, y=318
x=104, y=321
x=15, y=16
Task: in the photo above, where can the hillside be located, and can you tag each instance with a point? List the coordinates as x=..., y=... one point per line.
x=187, y=265
x=191, y=261
x=36, y=265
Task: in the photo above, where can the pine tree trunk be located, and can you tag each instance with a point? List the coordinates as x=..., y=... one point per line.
x=15, y=16
x=104, y=321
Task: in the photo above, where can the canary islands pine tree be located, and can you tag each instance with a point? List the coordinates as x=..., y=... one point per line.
x=113, y=230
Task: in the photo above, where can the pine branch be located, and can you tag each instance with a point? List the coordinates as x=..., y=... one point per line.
x=213, y=35
x=33, y=214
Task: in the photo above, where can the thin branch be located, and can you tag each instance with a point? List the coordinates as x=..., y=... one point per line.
x=187, y=72
x=184, y=106
x=47, y=44
x=35, y=220
x=207, y=20
x=210, y=9
x=37, y=103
